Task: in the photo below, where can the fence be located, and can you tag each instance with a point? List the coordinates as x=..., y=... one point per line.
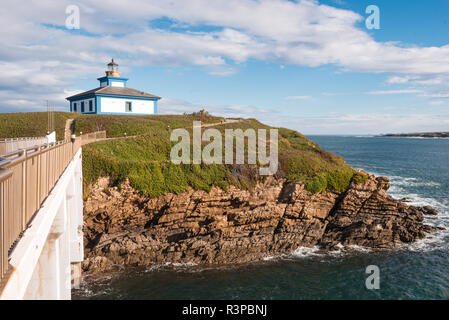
x=92, y=137
x=26, y=178
x=11, y=144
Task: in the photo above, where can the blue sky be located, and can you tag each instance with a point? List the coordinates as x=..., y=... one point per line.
x=307, y=65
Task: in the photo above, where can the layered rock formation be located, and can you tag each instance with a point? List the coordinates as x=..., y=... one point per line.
x=234, y=226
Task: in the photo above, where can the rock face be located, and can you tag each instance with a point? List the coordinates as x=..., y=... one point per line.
x=234, y=226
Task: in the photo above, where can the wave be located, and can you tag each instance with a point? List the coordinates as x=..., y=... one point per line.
x=399, y=189
x=412, y=182
x=341, y=250
x=304, y=252
x=170, y=265
x=433, y=242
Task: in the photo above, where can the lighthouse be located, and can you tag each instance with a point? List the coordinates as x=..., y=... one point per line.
x=113, y=96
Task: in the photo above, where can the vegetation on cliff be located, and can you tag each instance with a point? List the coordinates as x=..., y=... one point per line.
x=144, y=157
x=118, y=125
x=145, y=161
x=32, y=124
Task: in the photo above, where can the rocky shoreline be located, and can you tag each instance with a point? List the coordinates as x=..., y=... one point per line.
x=122, y=227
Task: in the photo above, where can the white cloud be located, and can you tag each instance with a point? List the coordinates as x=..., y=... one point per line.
x=387, y=92
x=441, y=95
x=177, y=106
x=297, y=97
x=368, y=123
x=40, y=62
x=436, y=103
x=398, y=79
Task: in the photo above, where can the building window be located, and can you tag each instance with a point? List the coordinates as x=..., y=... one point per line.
x=74, y=107
x=128, y=107
x=91, y=108
x=82, y=106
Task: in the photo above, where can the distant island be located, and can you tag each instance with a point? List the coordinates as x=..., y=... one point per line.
x=419, y=134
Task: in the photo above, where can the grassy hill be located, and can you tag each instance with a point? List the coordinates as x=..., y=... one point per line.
x=32, y=124
x=118, y=125
x=145, y=159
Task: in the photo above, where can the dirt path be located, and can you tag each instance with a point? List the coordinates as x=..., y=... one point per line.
x=227, y=121
x=68, y=131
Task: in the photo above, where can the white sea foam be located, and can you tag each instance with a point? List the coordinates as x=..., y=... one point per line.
x=186, y=264
x=170, y=265
x=357, y=248
x=412, y=182
x=303, y=252
x=341, y=250
x=435, y=241
x=271, y=258
x=398, y=191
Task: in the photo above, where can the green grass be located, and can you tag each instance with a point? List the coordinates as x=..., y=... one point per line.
x=145, y=160
x=32, y=124
x=118, y=125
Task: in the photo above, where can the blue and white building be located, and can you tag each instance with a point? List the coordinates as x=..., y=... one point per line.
x=114, y=97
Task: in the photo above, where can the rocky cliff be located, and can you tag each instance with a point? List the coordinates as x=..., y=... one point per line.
x=234, y=226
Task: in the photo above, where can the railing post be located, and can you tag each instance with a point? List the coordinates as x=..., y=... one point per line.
x=24, y=188
x=5, y=175
x=38, y=195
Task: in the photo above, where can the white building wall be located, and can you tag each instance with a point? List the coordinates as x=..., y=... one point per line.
x=118, y=105
x=51, y=137
x=117, y=84
x=86, y=105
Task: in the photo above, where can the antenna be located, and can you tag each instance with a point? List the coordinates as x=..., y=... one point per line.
x=50, y=117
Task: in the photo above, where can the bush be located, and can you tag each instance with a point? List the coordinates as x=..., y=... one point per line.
x=175, y=180
x=148, y=178
x=360, y=177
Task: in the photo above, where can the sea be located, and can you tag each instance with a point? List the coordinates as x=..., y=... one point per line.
x=419, y=171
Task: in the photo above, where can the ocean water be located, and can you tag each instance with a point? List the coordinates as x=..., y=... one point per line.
x=419, y=171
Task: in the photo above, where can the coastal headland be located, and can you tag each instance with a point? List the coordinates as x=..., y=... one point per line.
x=142, y=209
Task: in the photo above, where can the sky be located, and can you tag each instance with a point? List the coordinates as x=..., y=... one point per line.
x=308, y=65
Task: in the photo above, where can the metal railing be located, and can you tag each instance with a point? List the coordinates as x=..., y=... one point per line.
x=11, y=144
x=26, y=179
